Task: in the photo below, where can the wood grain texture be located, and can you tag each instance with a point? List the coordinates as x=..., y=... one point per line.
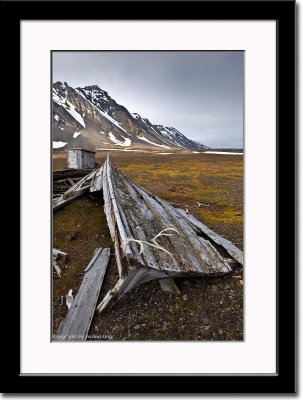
x=231, y=249
x=97, y=181
x=145, y=215
x=76, y=325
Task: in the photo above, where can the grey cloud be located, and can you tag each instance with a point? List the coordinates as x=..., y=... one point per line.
x=199, y=93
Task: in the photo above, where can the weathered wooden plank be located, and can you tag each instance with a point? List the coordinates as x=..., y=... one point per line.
x=118, y=255
x=115, y=209
x=58, y=181
x=76, y=325
x=169, y=285
x=97, y=181
x=231, y=249
x=96, y=253
x=138, y=221
x=108, y=204
x=58, y=254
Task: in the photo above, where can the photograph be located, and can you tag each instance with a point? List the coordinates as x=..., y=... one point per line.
x=147, y=195
x=153, y=253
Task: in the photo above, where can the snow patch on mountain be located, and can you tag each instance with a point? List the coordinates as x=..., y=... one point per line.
x=112, y=120
x=108, y=149
x=57, y=145
x=69, y=107
x=153, y=143
x=95, y=93
x=76, y=134
x=103, y=113
x=127, y=142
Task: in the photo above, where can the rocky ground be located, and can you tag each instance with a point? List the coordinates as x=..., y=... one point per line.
x=207, y=308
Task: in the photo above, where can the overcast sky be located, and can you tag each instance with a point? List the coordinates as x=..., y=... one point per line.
x=198, y=93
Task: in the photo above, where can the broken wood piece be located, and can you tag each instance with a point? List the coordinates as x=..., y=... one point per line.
x=70, y=181
x=201, y=204
x=169, y=285
x=76, y=325
x=57, y=268
x=69, y=298
x=118, y=255
x=97, y=182
x=58, y=254
x=106, y=302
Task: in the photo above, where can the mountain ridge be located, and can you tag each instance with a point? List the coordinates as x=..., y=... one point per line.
x=89, y=117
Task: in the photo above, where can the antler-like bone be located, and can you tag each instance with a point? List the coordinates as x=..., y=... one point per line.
x=154, y=244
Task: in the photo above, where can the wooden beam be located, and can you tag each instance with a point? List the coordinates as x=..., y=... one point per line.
x=76, y=325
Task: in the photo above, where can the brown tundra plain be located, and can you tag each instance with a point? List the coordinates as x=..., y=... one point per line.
x=207, y=309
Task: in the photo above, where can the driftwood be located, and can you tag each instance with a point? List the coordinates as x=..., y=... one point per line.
x=76, y=325
x=137, y=216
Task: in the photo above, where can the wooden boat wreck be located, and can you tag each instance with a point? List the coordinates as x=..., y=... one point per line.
x=152, y=239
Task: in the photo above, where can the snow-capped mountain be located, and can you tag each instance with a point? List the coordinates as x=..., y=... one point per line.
x=88, y=117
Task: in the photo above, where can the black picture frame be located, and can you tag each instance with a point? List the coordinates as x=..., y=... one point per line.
x=12, y=12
